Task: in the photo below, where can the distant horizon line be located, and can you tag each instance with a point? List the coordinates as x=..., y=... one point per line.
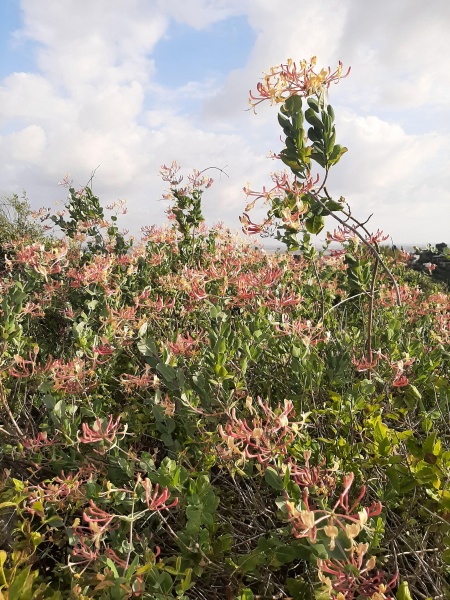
x=406, y=246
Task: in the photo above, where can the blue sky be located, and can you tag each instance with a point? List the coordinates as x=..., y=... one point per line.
x=184, y=54
x=16, y=56
x=128, y=86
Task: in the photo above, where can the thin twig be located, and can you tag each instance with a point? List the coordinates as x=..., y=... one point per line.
x=4, y=402
x=347, y=300
x=370, y=314
x=322, y=303
x=365, y=242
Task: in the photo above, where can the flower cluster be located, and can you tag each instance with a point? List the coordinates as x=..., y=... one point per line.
x=399, y=366
x=351, y=576
x=290, y=193
x=318, y=478
x=265, y=438
x=291, y=79
x=355, y=577
x=99, y=523
x=196, y=180
x=104, y=433
x=307, y=521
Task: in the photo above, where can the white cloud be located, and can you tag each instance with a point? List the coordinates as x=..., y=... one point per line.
x=30, y=98
x=96, y=100
x=28, y=144
x=401, y=51
x=381, y=154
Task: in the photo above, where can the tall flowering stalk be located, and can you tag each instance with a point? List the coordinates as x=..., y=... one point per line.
x=299, y=201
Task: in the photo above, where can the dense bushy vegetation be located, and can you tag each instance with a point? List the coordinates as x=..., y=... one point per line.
x=187, y=416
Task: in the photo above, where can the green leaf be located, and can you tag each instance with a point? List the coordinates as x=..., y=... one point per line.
x=293, y=104
x=246, y=594
x=146, y=345
x=167, y=372
x=412, y=388
x=21, y=587
x=314, y=134
x=54, y=521
x=194, y=515
x=285, y=123
x=313, y=119
x=403, y=592
x=299, y=589
x=315, y=224
x=318, y=156
x=312, y=103
x=430, y=443
x=337, y=153
x=165, y=582
x=285, y=554
x=59, y=410
x=273, y=479
x=112, y=566
x=333, y=205
x=394, y=478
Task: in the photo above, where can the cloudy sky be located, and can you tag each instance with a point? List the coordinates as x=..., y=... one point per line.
x=127, y=85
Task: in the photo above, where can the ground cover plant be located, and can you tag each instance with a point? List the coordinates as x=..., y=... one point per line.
x=186, y=416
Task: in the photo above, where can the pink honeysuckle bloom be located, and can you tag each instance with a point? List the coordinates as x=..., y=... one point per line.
x=196, y=291
x=341, y=234
x=156, y=500
x=100, y=432
x=250, y=228
x=376, y=238
x=354, y=577
x=265, y=438
x=364, y=364
x=183, y=345
x=286, y=299
x=307, y=476
x=39, y=441
x=84, y=554
x=103, y=349
x=290, y=79
x=101, y=518
x=139, y=382
x=347, y=520
x=400, y=381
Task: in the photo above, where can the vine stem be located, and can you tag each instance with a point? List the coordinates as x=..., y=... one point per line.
x=130, y=537
x=370, y=314
x=368, y=245
x=322, y=300
x=5, y=405
x=346, y=300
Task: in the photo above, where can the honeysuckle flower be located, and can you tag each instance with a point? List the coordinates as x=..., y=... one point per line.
x=290, y=79
x=363, y=516
x=353, y=577
x=156, y=500
x=101, y=432
x=248, y=227
x=342, y=516
x=352, y=530
x=332, y=532
x=183, y=345
x=267, y=437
